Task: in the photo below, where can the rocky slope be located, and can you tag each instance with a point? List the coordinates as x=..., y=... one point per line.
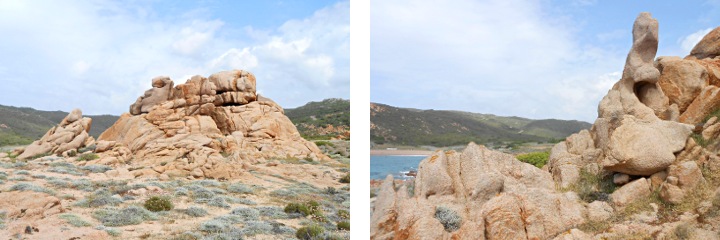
x=404, y=126
x=648, y=167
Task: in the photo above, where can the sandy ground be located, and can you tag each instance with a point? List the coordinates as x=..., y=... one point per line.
x=400, y=152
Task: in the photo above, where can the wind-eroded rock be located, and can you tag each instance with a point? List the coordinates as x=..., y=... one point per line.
x=207, y=127
x=70, y=134
x=495, y=195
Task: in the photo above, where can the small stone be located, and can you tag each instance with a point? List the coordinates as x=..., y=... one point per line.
x=621, y=179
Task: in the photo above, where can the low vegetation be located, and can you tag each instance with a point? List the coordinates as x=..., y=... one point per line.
x=450, y=219
x=309, y=232
x=157, y=204
x=538, y=159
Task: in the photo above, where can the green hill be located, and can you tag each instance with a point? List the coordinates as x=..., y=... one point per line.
x=21, y=126
x=322, y=120
x=413, y=127
x=319, y=120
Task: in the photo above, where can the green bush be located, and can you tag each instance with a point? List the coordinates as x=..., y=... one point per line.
x=306, y=209
x=344, y=214
x=324, y=143
x=87, y=157
x=450, y=220
x=538, y=159
x=345, y=179
x=344, y=225
x=157, y=204
x=309, y=232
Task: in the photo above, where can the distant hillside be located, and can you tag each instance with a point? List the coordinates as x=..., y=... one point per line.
x=315, y=120
x=322, y=120
x=20, y=126
x=413, y=127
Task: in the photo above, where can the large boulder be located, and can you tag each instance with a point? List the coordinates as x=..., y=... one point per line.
x=486, y=189
x=206, y=127
x=708, y=47
x=71, y=134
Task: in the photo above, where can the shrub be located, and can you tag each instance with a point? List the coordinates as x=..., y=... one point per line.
x=331, y=190
x=218, y=201
x=591, y=187
x=281, y=229
x=96, y=168
x=448, y=217
x=75, y=220
x=194, y=211
x=252, y=228
x=87, y=157
x=246, y=213
x=273, y=212
x=199, y=193
x=239, y=188
x=157, y=204
x=181, y=191
x=538, y=159
x=72, y=170
x=114, y=232
x=121, y=217
x=344, y=214
x=30, y=187
x=22, y=172
x=344, y=225
x=214, y=226
x=345, y=179
x=309, y=232
x=297, y=208
x=98, y=199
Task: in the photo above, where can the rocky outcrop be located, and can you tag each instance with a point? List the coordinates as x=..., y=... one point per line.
x=654, y=134
x=636, y=132
x=70, y=135
x=207, y=127
x=494, y=195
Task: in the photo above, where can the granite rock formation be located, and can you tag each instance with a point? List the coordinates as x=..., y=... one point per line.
x=207, y=127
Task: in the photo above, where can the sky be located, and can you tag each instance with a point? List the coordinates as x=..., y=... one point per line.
x=534, y=59
x=100, y=56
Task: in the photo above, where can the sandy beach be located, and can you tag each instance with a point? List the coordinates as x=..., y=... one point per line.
x=400, y=152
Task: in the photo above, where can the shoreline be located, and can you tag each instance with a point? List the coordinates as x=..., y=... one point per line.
x=383, y=152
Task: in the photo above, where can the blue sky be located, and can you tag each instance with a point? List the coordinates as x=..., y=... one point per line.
x=100, y=55
x=535, y=59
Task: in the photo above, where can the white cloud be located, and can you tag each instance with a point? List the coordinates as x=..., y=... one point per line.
x=688, y=43
x=100, y=56
x=500, y=57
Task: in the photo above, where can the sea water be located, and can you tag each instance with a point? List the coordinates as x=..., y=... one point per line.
x=398, y=166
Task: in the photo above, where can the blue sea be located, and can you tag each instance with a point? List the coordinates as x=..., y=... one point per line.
x=381, y=166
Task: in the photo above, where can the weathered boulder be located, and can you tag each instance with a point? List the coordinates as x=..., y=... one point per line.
x=70, y=134
x=206, y=127
x=599, y=211
x=638, y=189
x=682, y=178
x=486, y=189
x=639, y=147
x=708, y=47
x=681, y=80
x=704, y=104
